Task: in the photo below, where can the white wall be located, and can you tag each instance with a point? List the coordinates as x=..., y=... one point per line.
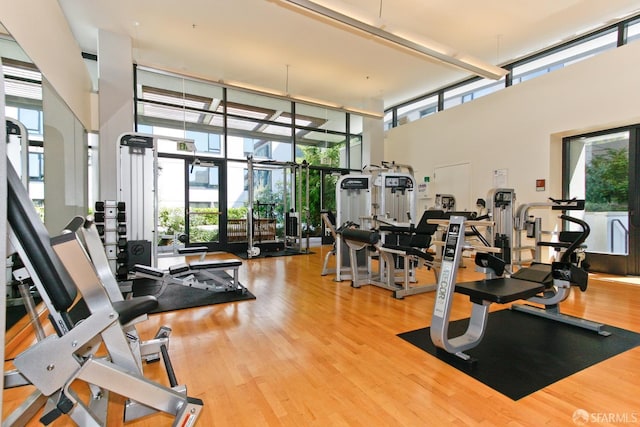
x=520, y=128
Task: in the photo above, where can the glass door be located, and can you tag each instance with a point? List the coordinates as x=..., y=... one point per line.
x=204, y=207
x=603, y=169
x=171, y=223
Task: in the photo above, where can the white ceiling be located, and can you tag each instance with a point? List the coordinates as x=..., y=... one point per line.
x=268, y=44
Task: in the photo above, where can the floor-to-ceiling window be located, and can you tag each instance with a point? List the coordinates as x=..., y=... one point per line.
x=203, y=194
x=602, y=168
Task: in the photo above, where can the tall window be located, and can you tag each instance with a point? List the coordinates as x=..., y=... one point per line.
x=418, y=109
x=533, y=66
x=257, y=148
x=470, y=91
x=633, y=31
x=205, y=142
x=563, y=57
x=230, y=124
x=36, y=166
x=261, y=179
x=204, y=177
x=599, y=173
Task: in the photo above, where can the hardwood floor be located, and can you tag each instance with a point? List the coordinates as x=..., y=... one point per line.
x=313, y=352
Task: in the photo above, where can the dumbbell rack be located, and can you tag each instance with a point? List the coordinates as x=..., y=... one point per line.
x=110, y=219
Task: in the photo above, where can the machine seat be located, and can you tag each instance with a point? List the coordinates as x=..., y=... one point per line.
x=135, y=307
x=501, y=291
x=540, y=273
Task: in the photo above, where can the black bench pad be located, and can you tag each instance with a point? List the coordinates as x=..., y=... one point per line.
x=539, y=273
x=362, y=236
x=193, y=250
x=501, y=291
x=131, y=308
x=179, y=268
x=151, y=271
x=222, y=263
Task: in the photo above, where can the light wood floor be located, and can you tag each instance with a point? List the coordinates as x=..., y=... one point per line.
x=313, y=352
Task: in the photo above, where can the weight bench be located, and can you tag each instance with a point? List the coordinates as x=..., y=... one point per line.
x=201, y=274
x=53, y=364
x=483, y=293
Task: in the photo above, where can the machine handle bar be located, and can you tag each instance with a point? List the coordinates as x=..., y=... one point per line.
x=580, y=240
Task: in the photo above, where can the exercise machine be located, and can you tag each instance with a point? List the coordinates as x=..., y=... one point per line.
x=329, y=221
x=413, y=253
x=381, y=201
x=482, y=293
x=210, y=275
x=501, y=289
x=353, y=207
x=138, y=187
x=263, y=216
x=18, y=153
x=500, y=210
x=138, y=190
x=393, y=197
x=528, y=226
x=87, y=233
x=445, y=202
x=368, y=242
x=559, y=278
x=56, y=362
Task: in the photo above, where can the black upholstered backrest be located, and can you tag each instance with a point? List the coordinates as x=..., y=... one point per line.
x=34, y=238
x=424, y=231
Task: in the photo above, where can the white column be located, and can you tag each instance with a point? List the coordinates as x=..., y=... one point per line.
x=65, y=162
x=373, y=135
x=115, y=86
